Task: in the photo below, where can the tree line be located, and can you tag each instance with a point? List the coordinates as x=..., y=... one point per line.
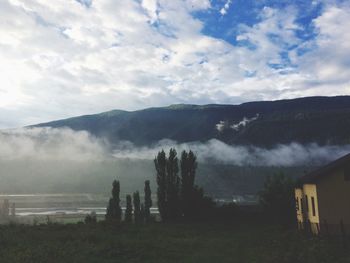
x=179, y=198
x=177, y=195
x=136, y=210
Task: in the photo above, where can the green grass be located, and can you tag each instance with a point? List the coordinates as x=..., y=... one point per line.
x=154, y=243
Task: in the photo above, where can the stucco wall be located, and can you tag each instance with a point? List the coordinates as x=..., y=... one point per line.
x=310, y=190
x=306, y=215
x=334, y=198
x=298, y=198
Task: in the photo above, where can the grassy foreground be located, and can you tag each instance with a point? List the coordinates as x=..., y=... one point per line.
x=245, y=242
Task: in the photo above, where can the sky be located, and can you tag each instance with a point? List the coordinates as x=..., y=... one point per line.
x=67, y=58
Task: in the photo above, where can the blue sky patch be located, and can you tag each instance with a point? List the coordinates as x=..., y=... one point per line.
x=86, y=3
x=249, y=13
x=242, y=14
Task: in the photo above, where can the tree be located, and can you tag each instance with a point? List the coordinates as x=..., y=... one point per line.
x=277, y=198
x=173, y=185
x=91, y=218
x=114, y=210
x=5, y=211
x=137, y=207
x=142, y=213
x=148, y=201
x=190, y=194
x=177, y=196
x=128, y=210
x=194, y=204
x=168, y=180
x=161, y=177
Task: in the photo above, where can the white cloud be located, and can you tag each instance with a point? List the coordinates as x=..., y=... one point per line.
x=223, y=10
x=62, y=145
x=151, y=7
x=63, y=58
x=235, y=126
x=51, y=144
x=198, y=4
x=215, y=151
x=329, y=64
x=241, y=124
x=221, y=126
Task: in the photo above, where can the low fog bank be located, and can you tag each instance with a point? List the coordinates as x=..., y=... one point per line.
x=46, y=160
x=218, y=152
x=34, y=176
x=66, y=144
x=68, y=176
x=51, y=144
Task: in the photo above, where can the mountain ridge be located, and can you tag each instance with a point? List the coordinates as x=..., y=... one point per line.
x=323, y=120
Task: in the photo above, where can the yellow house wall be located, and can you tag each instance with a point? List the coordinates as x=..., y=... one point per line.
x=310, y=190
x=304, y=211
x=298, y=198
x=334, y=199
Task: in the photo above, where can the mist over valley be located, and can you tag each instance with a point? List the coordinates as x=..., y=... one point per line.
x=233, y=144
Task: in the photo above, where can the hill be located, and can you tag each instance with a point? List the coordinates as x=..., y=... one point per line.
x=324, y=120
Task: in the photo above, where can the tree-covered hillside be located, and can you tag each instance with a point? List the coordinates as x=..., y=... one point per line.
x=324, y=120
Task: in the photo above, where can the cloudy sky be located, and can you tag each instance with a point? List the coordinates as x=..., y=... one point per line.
x=65, y=58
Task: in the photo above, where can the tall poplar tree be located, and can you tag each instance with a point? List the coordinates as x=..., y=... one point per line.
x=179, y=196
x=137, y=207
x=114, y=211
x=168, y=181
x=160, y=163
x=128, y=210
x=190, y=194
x=173, y=185
x=148, y=200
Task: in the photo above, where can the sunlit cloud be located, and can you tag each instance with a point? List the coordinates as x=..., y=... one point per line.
x=61, y=59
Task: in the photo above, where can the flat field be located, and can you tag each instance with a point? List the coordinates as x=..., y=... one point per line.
x=160, y=242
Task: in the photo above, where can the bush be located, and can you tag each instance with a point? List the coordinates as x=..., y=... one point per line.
x=90, y=218
x=277, y=198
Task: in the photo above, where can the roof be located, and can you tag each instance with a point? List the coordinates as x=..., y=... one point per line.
x=318, y=174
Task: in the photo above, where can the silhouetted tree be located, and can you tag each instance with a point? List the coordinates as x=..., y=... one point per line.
x=168, y=181
x=142, y=213
x=190, y=194
x=148, y=201
x=201, y=206
x=128, y=210
x=194, y=204
x=114, y=210
x=137, y=207
x=5, y=210
x=173, y=185
x=160, y=163
x=277, y=198
x=179, y=197
x=91, y=218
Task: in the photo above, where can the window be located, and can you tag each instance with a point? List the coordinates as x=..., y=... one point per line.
x=297, y=203
x=313, y=206
x=302, y=205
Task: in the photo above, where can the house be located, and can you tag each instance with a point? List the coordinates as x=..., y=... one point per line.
x=323, y=198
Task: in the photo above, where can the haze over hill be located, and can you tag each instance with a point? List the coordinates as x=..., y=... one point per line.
x=321, y=120
x=237, y=145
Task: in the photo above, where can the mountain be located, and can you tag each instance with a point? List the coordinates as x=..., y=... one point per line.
x=323, y=120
